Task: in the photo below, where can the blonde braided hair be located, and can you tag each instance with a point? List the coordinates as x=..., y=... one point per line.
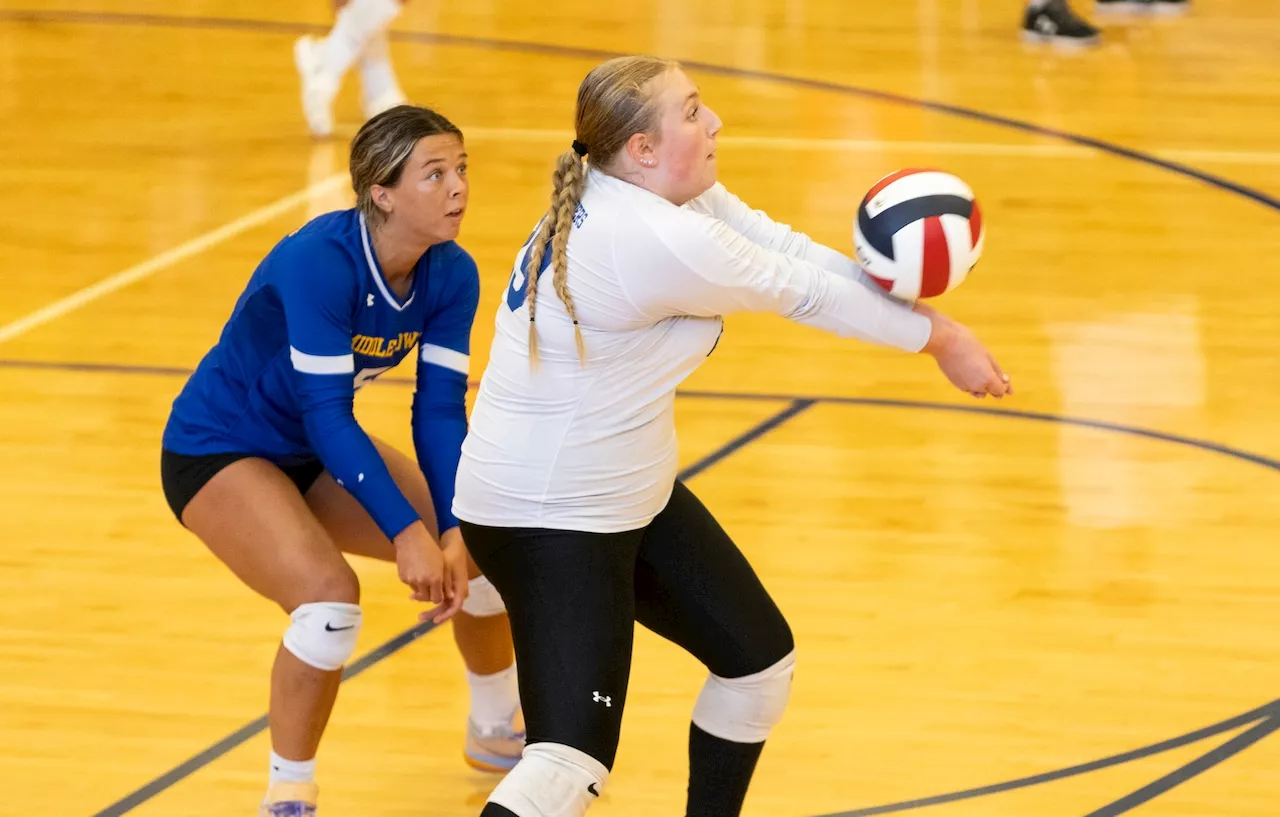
x=613, y=104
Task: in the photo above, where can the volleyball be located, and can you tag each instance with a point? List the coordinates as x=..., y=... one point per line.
x=918, y=233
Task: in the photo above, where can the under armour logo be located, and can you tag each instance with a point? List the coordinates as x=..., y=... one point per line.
x=369, y=300
x=602, y=699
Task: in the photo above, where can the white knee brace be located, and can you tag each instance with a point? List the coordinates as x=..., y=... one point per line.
x=551, y=780
x=323, y=634
x=745, y=710
x=483, y=599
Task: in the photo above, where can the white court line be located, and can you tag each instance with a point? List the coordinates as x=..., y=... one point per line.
x=1048, y=149
x=331, y=183
x=1031, y=149
x=167, y=258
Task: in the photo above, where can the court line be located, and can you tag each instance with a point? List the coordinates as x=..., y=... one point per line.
x=77, y=299
x=796, y=405
x=249, y=730
x=95, y=368
x=168, y=258
x=253, y=728
x=754, y=433
x=1174, y=165
x=1184, y=773
x=1043, y=417
x=766, y=142
x=1262, y=715
x=1037, y=150
x=1088, y=142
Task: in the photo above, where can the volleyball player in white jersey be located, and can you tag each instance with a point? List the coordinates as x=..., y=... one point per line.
x=567, y=491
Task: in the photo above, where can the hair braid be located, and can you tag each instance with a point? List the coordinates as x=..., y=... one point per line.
x=567, y=186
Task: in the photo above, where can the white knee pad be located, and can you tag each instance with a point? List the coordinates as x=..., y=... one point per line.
x=551, y=780
x=745, y=710
x=323, y=634
x=483, y=599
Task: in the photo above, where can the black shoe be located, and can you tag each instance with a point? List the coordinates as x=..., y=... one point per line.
x=1056, y=23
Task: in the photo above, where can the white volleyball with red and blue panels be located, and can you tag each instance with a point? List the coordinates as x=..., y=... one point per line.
x=918, y=233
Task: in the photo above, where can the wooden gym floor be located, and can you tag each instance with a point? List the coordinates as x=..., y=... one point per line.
x=1011, y=598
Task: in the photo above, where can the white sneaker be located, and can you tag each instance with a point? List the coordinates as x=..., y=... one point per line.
x=495, y=750
x=318, y=90
x=290, y=800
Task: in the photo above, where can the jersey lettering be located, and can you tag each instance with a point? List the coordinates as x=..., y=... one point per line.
x=519, y=287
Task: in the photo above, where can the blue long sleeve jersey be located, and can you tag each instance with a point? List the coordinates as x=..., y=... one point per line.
x=316, y=322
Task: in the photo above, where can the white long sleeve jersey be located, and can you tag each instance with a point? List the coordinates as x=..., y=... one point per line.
x=591, y=445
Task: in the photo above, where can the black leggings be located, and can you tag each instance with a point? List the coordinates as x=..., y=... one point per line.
x=573, y=599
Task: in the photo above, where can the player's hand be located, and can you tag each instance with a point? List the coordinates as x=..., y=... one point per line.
x=420, y=563
x=963, y=358
x=456, y=583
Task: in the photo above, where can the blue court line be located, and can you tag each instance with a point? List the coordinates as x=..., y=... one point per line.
x=426, y=37
x=873, y=402
x=1201, y=764
x=253, y=728
x=757, y=431
x=821, y=85
x=1262, y=715
x=796, y=405
x=1046, y=417
x=249, y=730
x=103, y=368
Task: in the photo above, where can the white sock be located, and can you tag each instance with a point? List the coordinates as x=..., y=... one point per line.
x=292, y=771
x=377, y=75
x=1036, y=5
x=357, y=23
x=494, y=698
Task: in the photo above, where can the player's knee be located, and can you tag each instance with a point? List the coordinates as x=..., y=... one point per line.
x=483, y=599
x=323, y=633
x=745, y=710
x=337, y=582
x=551, y=780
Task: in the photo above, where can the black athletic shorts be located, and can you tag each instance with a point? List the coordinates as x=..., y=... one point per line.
x=182, y=476
x=574, y=598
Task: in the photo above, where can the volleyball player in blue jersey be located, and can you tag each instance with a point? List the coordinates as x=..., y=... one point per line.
x=263, y=459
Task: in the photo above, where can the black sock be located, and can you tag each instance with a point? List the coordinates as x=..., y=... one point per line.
x=719, y=774
x=495, y=810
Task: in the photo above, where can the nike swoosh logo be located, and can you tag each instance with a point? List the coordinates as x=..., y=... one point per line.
x=332, y=629
x=592, y=789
